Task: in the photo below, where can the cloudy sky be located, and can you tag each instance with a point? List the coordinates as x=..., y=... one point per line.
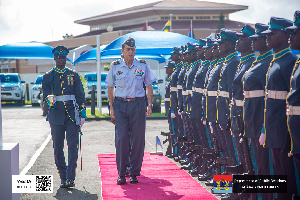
x=45, y=20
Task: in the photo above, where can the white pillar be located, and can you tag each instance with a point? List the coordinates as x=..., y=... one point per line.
x=99, y=99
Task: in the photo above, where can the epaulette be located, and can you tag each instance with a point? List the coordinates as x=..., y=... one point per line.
x=117, y=62
x=143, y=61
x=73, y=70
x=48, y=72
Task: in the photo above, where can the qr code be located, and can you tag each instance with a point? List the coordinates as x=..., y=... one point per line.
x=44, y=183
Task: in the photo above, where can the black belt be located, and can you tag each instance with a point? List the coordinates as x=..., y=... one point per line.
x=129, y=99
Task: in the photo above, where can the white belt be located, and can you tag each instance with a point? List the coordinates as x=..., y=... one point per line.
x=199, y=90
x=292, y=110
x=173, y=89
x=254, y=93
x=223, y=94
x=167, y=99
x=189, y=91
x=238, y=102
x=273, y=94
x=184, y=92
x=179, y=87
x=212, y=93
x=65, y=98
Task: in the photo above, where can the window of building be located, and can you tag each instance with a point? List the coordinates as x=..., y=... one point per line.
x=186, y=17
x=203, y=17
x=167, y=17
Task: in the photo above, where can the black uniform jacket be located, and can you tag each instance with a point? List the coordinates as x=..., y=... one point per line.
x=64, y=82
x=278, y=78
x=255, y=79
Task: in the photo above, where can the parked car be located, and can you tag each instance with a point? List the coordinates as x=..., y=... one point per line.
x=91, y=79
x=12, y=88
x=35, y=91
x=156, y=98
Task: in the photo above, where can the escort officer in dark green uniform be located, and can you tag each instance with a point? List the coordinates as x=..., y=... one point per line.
x=63, y=91
x=254, y=82
x=293, y=99
x=227, y=48
x=243, y=45
x=277, y=87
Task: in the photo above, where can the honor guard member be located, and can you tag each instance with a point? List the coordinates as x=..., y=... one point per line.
x=211, y=95
x=180, y=84
x=277, y=87
x=227, y=48
x=243, y=45
x=208, y=53
x=175, y=56
x=293, y=99
x=63, y=91
x=126, y=96
x=254, y=82
x=196, y=99
x=171, y=110
x=189, y=78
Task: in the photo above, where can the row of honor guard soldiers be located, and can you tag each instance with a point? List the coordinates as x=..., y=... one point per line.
x=219, y=104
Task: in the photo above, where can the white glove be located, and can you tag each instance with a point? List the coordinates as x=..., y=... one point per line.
x=82, y=120
x=204, y=122
x=262, y=139
x=220, y=127
x=173, y=115
x=179, y=113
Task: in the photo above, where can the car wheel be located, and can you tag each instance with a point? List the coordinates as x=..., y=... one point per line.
x=20, y=102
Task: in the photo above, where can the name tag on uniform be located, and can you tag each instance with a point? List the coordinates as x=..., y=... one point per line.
x=70, y=79
x=139, y=72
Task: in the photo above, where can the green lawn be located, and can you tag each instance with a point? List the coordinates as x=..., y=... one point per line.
x=97, y=115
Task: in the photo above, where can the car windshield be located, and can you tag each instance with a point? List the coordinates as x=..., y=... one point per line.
x=93, y=77
x=9, y=78
x=39, y=80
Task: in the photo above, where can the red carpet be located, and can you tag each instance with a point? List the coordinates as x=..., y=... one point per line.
x=160, y=179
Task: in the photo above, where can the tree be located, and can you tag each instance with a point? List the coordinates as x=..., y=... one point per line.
x=221, y=23
x=67, y=36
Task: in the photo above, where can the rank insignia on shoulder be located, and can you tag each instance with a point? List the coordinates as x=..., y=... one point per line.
x=143, y=61
x=116, y=62
x=48, y=72
x=119, y=72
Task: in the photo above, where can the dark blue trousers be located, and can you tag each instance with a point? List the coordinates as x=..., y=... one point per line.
x=58, y=132
x=130, y=118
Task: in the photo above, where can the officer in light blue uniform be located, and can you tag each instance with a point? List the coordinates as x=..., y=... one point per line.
x=277, y=136
x=66, y=114
x=293, y=99
x=126, y=96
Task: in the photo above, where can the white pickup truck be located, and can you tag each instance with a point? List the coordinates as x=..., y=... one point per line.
x=12, y=88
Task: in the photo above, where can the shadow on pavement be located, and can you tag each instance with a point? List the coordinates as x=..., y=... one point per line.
x=74, y=194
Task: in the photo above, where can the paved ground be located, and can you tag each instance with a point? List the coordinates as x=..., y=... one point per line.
x=27, y=127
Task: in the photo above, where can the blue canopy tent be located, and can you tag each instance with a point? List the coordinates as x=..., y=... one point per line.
x=149, y=42
x=149, y=45
x=26, y=50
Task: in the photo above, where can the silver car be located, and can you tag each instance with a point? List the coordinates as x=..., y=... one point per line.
x=12, y=88
x=36, y=90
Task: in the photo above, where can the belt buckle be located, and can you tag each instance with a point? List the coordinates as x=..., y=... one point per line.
x=266, y=94
x=204, y=92
x=289, y=110
x=218, y=93
x=246, y=94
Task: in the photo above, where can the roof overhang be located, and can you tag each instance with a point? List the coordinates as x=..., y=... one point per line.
x=153, y=11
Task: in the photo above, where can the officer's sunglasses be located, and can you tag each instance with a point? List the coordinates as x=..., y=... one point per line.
x=60, y=57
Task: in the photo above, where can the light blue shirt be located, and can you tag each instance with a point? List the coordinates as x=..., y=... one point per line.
x=128, y=82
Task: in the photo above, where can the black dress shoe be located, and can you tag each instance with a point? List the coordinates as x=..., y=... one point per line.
x=63, y=184
x=70, y=183
x=133, y=179
x=210, y=183
x=205, y=177
x=121, y=180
